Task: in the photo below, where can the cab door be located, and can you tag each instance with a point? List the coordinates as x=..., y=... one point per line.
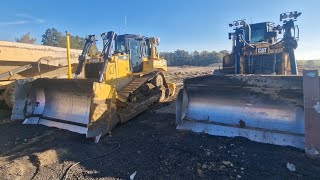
x=135, y=55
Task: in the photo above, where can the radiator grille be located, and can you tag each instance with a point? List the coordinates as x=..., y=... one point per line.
x=262, y=64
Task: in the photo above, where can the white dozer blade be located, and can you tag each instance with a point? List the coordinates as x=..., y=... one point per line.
x=65, y=103
x=267, y=109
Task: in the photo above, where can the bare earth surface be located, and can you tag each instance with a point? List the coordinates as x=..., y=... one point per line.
x=148, y=145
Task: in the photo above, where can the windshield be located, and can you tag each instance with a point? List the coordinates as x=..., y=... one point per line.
x=134, y=46
x=257, y=35
x=120, y=45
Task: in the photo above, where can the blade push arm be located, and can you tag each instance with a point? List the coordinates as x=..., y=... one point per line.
x=90, y=40
x=108, y=39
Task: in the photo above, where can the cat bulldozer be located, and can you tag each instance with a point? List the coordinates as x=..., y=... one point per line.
x=107, y=89
x=257, y=94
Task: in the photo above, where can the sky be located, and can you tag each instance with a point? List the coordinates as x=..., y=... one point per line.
x=184, y=24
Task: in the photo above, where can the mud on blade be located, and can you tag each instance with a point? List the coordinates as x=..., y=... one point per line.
x=73, y=104
x=266, y=109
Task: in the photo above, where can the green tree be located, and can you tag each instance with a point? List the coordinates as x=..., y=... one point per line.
x=76, y=42
x=224, y=52
x=26, y=38
x=195, y=58
x=52, y=37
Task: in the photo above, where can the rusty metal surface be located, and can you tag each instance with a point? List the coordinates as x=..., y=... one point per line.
x=311, y=89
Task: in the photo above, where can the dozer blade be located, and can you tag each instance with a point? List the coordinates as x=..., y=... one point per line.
x=266, y=109
x=77, y=105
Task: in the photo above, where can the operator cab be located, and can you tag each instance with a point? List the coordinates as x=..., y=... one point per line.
x=254, y=33
x=134, y=45
x=263, y=32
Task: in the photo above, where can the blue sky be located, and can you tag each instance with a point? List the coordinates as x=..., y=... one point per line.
x=185, y=24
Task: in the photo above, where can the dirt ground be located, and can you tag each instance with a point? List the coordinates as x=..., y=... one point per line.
x=148, y=145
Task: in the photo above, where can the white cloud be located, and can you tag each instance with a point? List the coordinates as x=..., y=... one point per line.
x=17, y=22
x=22, y=18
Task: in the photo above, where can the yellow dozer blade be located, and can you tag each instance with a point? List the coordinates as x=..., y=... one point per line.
x=79, y=105
x=268, y=109
x=86, y=106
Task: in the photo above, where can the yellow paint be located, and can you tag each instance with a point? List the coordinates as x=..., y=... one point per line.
x=118, y=68
x=286, y=65
x=104, y=100
x=103, y=91
x=154, y=42
x=123, y=65
x=69, y=56
x=154, y=65
x=119, y=74
x=103, y=95
x=172, y=87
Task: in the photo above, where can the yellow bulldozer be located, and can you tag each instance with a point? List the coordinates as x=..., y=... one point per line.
x=111, y=88
x=257, y=94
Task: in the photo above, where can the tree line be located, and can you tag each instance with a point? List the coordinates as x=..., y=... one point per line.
x=195, y=58
x=53, y=37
